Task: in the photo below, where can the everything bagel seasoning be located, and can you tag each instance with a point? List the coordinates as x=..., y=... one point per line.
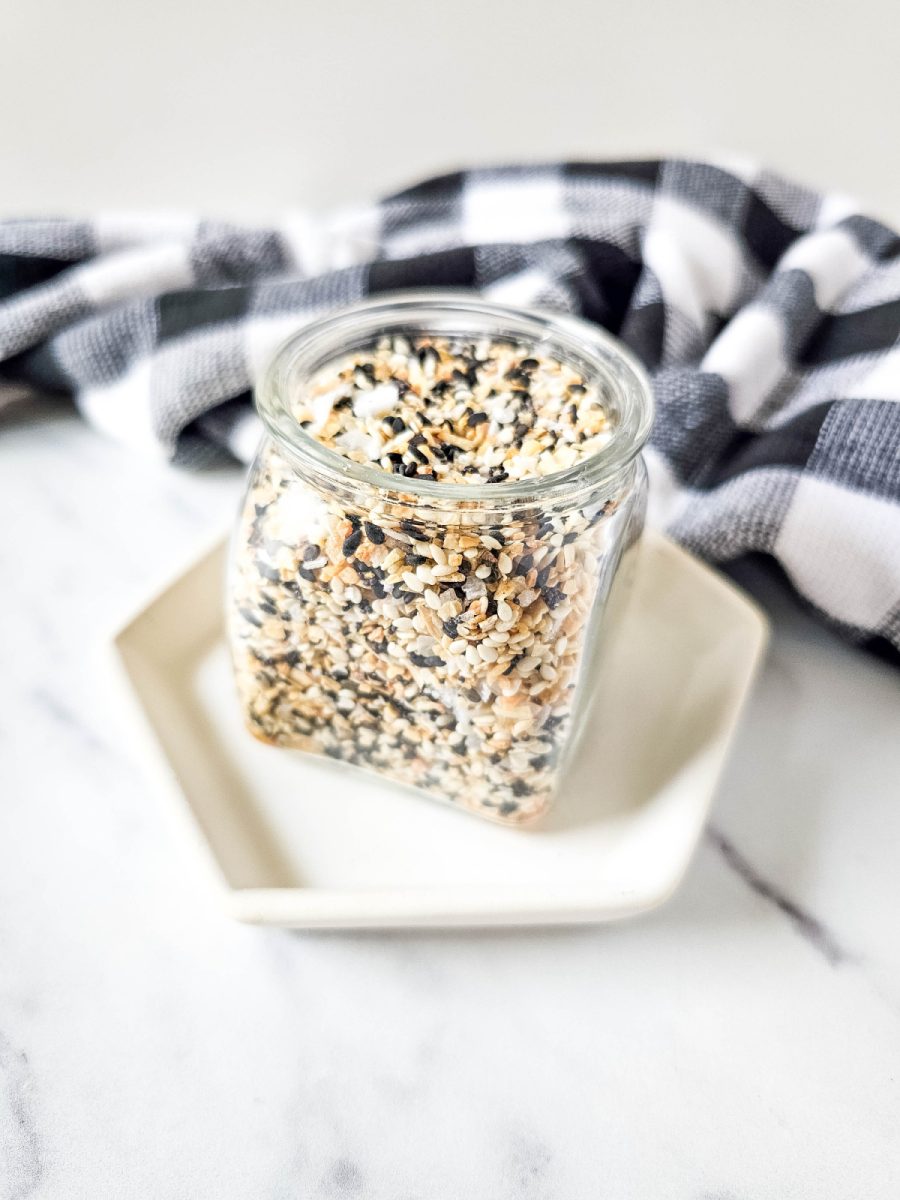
x=442, y=653
x=455, y=412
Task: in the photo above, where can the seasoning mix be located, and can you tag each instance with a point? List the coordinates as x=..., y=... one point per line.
x=430, y=533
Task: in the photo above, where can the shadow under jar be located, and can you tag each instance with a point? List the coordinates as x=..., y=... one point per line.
x=432, y=528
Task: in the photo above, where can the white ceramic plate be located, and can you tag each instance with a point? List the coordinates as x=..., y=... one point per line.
x=298, y=841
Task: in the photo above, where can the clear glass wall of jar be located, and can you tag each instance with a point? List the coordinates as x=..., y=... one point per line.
x=434, y=633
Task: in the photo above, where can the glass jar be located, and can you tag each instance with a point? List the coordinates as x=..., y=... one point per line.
x=351, y=637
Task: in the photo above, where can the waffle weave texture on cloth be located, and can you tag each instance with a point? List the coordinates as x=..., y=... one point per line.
x=767, y=314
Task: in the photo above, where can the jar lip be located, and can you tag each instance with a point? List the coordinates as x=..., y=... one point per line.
x=326, y=336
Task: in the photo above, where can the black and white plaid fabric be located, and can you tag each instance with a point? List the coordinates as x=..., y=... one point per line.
x=768, y=314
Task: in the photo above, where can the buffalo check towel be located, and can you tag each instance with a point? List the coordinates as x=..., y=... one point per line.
x=767, y=314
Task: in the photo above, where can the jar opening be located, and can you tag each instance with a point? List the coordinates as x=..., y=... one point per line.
x=624, y=386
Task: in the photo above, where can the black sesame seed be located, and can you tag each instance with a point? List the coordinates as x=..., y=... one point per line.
x=312, y=551
x=395, y=424
x=309, y=576
x=410, y=470
x=414, y=531
x=373, y=533
x=351, y=543
x=476, y=418
x=529, y=364
x=425, y=660
x=554, y=596
x=516, y=376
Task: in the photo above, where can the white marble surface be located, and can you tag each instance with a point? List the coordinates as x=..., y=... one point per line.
x=742, y=1043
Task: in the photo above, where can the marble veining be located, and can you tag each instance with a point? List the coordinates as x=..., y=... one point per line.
x=19, y=1138
x=742, y=1043
x=808, y=926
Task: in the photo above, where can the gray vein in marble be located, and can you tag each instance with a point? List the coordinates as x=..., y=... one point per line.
x=63, y=716
x=344, y=1179
x=530, y=1162
x=809, y=927
x=20, y=1145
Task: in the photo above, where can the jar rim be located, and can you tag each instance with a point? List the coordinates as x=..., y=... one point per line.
x=312, y=344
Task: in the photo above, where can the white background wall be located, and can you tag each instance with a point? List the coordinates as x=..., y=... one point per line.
x=242, y=109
